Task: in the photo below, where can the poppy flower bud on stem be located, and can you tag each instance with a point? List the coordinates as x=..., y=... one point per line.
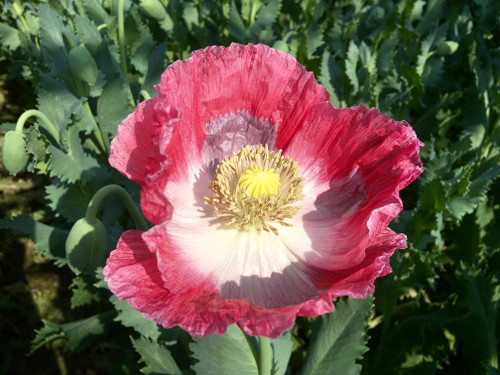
x=154, y=9
x=14, y=153
x=83, y=65
x=87, y=244
x=447, y=48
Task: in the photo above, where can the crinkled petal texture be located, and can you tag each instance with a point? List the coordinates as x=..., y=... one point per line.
x=193, y=270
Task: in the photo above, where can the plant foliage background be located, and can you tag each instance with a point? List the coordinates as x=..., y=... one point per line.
x=432, y=63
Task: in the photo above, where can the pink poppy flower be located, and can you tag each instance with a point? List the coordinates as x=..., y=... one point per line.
x=268, y=201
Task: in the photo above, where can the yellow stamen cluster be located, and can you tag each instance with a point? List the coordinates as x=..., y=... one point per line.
x=255, y=188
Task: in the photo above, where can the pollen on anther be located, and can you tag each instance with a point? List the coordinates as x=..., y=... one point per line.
x=255, y=188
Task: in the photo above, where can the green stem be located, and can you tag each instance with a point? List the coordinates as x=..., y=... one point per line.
x=49, y=126
x=19, y=13
x=80, y=9
x=101, y=137
x=145, y=94
x=102, y=193
x=121, y=36
x=265, y=356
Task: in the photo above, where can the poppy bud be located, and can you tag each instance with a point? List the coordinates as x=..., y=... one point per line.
x=83, y=65
x=86, y=246
x=378, y=13
x=154, y=9
x=447, y=48
x=14, y=152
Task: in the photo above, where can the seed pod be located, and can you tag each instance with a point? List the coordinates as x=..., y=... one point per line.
x=83, y=65
x=14, y=152
x=154, y=9
x=86, y=246
x=447, y=48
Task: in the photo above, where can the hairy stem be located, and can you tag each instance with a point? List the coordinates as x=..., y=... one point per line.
x=48, y=125
x=102, y=193
x=265, y=356
x=102, y=138
x=121, y=36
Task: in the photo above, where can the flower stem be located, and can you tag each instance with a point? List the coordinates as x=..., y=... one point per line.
x=102, y=193
x=49, y=126
x=121, y=36
x=265, y=356
x=99, y=134
x=19, y=13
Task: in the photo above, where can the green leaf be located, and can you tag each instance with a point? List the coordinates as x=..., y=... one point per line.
x=267, y=16
x=233, y=353
x=95, y=11
x=130, y=317
x=330, y=74
x=282, y=350
x=424, y=53
x=82, y=120
x=83, y=293
x=235, y=24
x=87, y=33
x=83, y=333
x=386, y=54
x=79, y=334
x=114, y=103
x=140, y=59
x=413, y=80
x=156, y=66
x=350, y=66
x=53, y=33
x=156, y=356
x=37, y=145
x=477, y=332
x=190, y=15
x=482, y=67
x=68, y=200
x=49, y=241
x=63, y=166
x=60, y=105
x=340, y=340
x=7, y=126
x=314, y=37
x=49, y=332
x=75, y=163
x=54, y=100
x=458, y=206
x=9, y=37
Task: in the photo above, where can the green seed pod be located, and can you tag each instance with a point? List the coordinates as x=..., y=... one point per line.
x=83, y=65
x=14, y=152
x=154, y=9
x=447, y=48
x=86, y=246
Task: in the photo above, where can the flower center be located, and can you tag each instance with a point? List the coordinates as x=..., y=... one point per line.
x=254, y=189
x=257, y=181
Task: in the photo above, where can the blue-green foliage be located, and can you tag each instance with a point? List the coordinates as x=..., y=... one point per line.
x=432, y=63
